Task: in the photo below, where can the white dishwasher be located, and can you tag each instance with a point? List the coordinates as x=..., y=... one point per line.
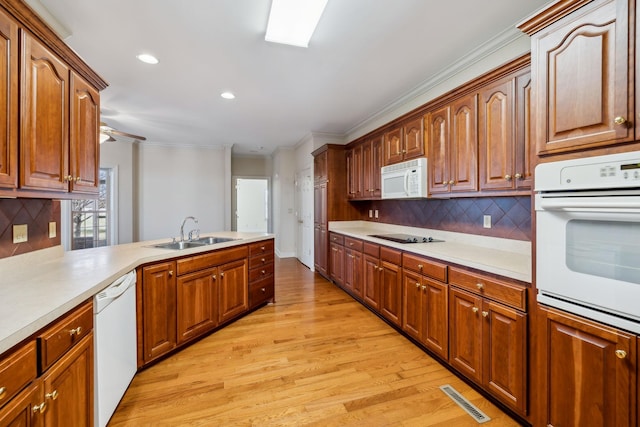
x=114, y=311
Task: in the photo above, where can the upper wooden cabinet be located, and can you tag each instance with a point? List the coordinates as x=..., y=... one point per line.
x=56, y=150
x=8, y=101
x=404, y=142
x=452, y=139
x=355, y=173
x=371, y=164
x=582, y=70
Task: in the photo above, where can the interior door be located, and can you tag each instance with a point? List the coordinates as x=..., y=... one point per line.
x=252, y=205
x=304, y=216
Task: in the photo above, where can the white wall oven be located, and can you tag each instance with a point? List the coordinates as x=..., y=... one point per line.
x=588, y=237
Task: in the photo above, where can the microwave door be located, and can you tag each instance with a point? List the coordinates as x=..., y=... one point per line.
x=406, y=182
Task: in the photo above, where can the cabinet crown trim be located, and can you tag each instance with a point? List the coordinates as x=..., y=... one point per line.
x=549, y=15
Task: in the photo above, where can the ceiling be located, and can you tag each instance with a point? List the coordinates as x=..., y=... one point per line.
x=364, y=56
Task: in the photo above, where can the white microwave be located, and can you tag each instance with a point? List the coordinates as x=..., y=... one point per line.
x=406, y=180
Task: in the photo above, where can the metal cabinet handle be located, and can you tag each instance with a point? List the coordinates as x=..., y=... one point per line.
x=518, y=176
x=620, y=120
x=621, y=354
x=39, y=408
x=452, y=182
x=262, y=248
x=475, y=309
x=424, y=287
x=75, y=331
x=170, y=273
x=263, y=260
x=507, y=177
x=485, y=313
x=2, y=391
x=263, y=289
x=419, y=266
x=417, y=284
x=221, y=274
x=263, y=272
x=215, y=277
x=480, y=286
x=53, y=395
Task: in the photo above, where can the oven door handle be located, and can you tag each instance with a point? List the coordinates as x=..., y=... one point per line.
x=589, y=205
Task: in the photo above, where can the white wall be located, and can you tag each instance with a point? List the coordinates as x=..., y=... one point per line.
x=119, y=155
x=284, y=221
x=174, y=183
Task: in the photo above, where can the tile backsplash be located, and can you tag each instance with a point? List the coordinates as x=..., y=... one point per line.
x=510, y=216
x=36, y=214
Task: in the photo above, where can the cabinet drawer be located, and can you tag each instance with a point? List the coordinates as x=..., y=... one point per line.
x=64, y=334
x=338, y=239
x=352, y=243
x=424, y=266
x=210, y=259
x=260, y=273
x=17, y=369
x=393, y=256
x=260, y=261
x=498, y=290
x=371, y=249
x=260, y=292
x=261, y=248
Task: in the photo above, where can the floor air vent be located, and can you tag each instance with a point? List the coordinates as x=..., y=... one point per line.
x=475, y=413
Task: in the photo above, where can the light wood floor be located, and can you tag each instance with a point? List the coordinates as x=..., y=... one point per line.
x=316, y=357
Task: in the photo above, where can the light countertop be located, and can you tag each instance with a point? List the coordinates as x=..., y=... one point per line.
x=38, y=287
x=504, y=257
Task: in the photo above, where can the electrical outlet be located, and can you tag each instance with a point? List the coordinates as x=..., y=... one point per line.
x=52, y=230
x=20, y=233
x=487, y=221
x=376, y=213
x=370, y=213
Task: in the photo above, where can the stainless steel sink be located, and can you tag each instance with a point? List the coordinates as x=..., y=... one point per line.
x=179, y=245
x=196, y=243
x=213, y=240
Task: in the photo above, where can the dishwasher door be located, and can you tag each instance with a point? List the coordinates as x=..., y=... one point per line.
x=115, y=345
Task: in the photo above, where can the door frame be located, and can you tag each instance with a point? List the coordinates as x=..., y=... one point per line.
x=234, y=200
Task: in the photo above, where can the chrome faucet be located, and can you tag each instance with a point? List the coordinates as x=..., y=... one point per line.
x=196, y=230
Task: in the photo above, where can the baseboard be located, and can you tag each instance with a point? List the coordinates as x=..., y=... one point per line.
x=285, y=254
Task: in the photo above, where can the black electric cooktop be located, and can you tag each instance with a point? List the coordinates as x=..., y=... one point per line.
x=405, y=238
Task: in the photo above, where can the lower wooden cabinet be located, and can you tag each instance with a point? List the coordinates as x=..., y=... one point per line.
x=588, y=371
x=371, y=288
x=25, y=410
x=391, y=285
x=488, y=344
x=233, y=290
x=158, y=332
x=336, y=263
x=197, y=305
x=261, y=273
x=353, y=271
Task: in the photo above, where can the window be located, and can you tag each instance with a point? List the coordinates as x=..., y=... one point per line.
x=91, y=220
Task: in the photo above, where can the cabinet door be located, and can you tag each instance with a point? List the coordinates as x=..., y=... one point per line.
x=391, y=292
x=465, y=333
x=413, y=140
x=320, y=165
x=581, y=69
x=496, y=139
x=197, y=304
x=437, y=123
x=505, y=354
x=336, y=263
x=590, y=373
x=45, y=122
x=68, y=387
x=8, y=102
x=393, y=146
x=412, y=309
x=357, y=267
x=24, y=410
x=233, y=289
x=159, y=309
x=436, y=316
x=84, y=144
x=463, y=151
x=371, y=291
x=354, y=173
x=524, y=150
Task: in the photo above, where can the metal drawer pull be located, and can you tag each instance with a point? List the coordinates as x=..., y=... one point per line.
x=621, y=354
x=620, y=120
x=485, y=313
x=474, y=309
x=2, y=391
x=263, y=272
x=76, y=331
x=263, y=260
x=221, y=274
x=215, y=277
x=480, y=286
x=419, y=266
x=417, y=285
x=263, y=289
x=424, y=287
x=53, y=395
x=39, y=408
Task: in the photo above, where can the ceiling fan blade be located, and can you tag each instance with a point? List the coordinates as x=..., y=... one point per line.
x=128, y=135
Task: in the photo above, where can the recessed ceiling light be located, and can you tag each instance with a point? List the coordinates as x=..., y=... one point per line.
x=227, y=95
x=293, y=22
x=146, y=58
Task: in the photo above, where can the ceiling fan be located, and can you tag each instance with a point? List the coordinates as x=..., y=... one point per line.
x=107, y=134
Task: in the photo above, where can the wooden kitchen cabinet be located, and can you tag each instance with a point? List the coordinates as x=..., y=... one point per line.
x=336, y=258
x=452, y=140
x=9, y=107
x=488, y=335
x=233, y=289
x=261, y=273
x=353, y=266
x=425, y=303
x=24, y=410
x=404, y=142
x=588, y=372
x=197, y=304
x=582, y=70
x=371, y=164
x=68, y=387
x=371, y=289
x=504, y=129
x=159, y=334
x=391, y=285
x=355, y=184
x=17, y=369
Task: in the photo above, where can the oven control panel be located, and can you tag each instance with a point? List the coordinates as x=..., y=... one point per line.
x=591, y=173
